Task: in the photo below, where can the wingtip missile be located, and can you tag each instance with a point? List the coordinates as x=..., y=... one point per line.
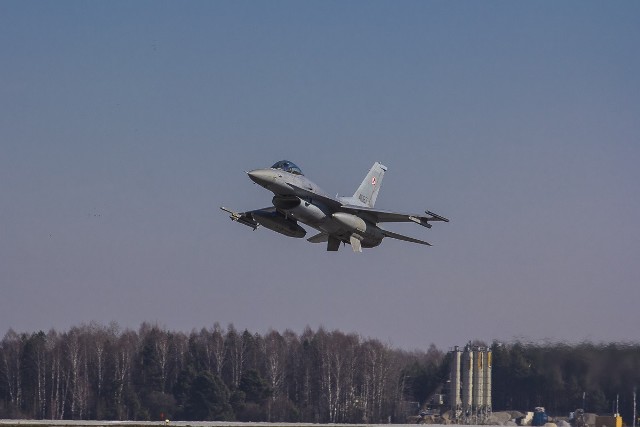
x=436, y=217
x=238, y=217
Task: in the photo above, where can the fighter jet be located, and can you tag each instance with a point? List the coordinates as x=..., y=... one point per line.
x=352, y=220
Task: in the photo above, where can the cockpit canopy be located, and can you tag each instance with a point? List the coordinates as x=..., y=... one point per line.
x=287, y=166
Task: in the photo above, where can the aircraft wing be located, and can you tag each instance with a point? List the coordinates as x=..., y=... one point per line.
x=376, y=216
x=373, y=215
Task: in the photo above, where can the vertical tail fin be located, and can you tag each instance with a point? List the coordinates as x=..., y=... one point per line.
x=367, y=193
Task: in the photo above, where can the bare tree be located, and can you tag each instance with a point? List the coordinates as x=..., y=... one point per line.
x=162, y=350
x=178, y=351
x=11, y=358
x=236, y=351
x=76, y=357
x=273, y=347
x=218, y=348
x=376, y=370
x=123, y=357
x=58, y=376
x=41, y=375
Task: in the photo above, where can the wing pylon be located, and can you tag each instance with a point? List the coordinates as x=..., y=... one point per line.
x=243, y=218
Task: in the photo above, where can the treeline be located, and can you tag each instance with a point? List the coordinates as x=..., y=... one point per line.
x=563, y=377
x=104, y=372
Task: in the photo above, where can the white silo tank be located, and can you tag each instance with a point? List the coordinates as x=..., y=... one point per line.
x=467, y=379
x=487, y=380
x=454, y=391
x=478, y=378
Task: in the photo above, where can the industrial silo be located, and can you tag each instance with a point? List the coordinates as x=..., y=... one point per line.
x=487, y=380
x=467, y=380
x=454, y=391
x=478, y=379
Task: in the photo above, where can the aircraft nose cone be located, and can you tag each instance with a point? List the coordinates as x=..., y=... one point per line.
x=261, y=176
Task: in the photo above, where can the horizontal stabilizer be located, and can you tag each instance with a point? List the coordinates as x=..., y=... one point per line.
x=405, y=238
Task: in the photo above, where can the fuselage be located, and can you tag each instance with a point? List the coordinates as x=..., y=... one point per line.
x=289, y=201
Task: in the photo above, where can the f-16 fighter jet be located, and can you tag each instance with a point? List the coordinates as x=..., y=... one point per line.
x=351, y=220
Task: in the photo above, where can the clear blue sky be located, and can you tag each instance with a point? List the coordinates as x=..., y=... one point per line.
x=124, y=125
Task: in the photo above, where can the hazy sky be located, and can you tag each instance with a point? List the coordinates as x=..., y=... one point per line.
x=125, y=125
